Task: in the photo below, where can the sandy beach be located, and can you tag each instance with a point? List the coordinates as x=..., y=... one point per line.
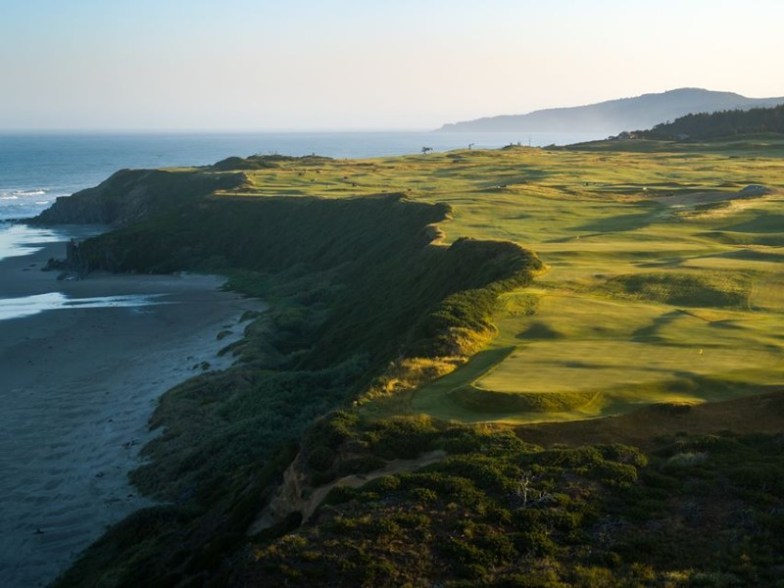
x=77, y=387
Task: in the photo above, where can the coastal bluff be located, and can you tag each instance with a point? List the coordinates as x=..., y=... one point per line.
x=365, y=300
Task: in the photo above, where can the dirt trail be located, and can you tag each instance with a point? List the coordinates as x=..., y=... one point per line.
x=290, y=496
x=396, y=466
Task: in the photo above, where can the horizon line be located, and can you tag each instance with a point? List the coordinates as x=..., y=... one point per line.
x=216, y=130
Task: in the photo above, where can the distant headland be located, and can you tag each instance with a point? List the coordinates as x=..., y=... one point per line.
x=614, y=116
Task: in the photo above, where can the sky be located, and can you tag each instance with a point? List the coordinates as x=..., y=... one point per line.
x=256, y=65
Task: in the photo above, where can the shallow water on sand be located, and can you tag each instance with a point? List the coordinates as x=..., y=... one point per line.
x=82, y=365
x=18, y=240
x=11, y=308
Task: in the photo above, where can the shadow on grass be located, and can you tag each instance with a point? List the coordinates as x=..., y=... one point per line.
x=539, y=331
x=649, y=333
x=764, y=222
x=621, y=222
x=495, y=403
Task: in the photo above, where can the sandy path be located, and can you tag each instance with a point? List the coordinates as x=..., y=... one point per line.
x=396, y=466
x=289, y=498
x=77, y=387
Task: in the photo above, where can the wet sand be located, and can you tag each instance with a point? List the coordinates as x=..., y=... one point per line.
x=77, y=387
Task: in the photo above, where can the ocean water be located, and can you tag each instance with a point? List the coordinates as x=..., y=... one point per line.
x=37, y=168
x=17, y=240
x=13, y=308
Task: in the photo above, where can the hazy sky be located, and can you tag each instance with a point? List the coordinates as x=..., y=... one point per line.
x=365, y=64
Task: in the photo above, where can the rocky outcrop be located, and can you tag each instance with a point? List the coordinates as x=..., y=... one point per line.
x=74, y=266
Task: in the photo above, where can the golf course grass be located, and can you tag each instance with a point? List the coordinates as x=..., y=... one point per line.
x=664, y=279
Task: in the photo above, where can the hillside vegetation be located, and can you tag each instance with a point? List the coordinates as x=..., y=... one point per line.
x=406, y=337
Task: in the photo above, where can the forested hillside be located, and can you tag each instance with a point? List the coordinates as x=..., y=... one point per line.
x=721, y=124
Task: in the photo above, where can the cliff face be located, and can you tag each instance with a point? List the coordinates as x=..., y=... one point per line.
x=131, y=195
x=262, y=234
x=378, y=249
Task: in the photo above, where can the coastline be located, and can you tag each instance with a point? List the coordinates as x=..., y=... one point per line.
x=78, y=387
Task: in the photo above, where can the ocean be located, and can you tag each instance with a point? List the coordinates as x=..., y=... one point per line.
x=37, y=168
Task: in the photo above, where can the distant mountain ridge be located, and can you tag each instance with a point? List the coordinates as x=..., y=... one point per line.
x=614, y=116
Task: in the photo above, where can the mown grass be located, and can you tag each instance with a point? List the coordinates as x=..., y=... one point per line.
x=633, y=233
x=619, y=252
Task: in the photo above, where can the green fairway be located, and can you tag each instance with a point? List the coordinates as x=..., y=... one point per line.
x=582, y=356
x=664, y=278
